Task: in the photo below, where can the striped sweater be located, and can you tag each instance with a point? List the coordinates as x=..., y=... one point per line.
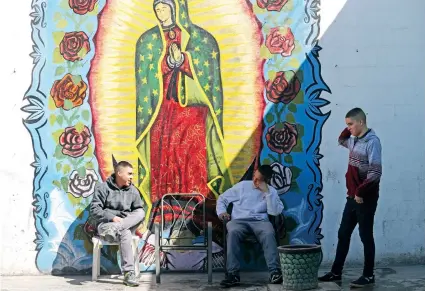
x=364, y=164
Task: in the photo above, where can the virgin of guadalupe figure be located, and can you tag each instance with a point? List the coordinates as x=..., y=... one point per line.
x=179, y=108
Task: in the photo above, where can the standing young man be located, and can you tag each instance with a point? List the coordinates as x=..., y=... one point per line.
x=362, y=180
x=118, y=210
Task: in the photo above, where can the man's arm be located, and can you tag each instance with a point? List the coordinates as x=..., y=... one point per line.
x=138, y=205
x=229, y=196
x=344, y=138
x=375, y=168
x=274, y=204
x=97, y=206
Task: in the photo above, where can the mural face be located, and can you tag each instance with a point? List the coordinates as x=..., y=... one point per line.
x=195, y=94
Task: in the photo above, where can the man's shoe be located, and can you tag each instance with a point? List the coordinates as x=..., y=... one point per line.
x=276, y=277
x=363, y=282
x=330, y=277
x=130, y=279
x=230, y=281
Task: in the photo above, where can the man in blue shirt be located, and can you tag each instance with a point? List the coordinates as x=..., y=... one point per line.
x=252, y=202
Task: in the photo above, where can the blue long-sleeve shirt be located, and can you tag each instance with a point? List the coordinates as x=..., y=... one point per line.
x=250, y=202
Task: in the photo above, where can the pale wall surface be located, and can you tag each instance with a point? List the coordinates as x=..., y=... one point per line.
x=372, y=57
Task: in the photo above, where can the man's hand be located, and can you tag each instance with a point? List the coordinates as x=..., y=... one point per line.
x=358, y=199
x=116, y=219
x=224, y=216
x=263, y=187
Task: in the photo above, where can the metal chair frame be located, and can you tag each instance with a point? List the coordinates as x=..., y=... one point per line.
x=159, y=230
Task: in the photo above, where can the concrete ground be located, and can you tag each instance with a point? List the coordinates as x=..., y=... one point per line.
x=395, y=278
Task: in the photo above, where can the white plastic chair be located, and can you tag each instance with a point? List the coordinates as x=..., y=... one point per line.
x=98, y=243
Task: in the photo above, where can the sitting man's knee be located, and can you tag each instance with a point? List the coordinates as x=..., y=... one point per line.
x=234, y=232
x=140, y=213
x=125, y=233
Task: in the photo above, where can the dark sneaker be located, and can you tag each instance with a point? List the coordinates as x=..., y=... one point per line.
x=330, y=277
x=363, y=282
x=130, y=279
x=276, y=277
x=230, y=281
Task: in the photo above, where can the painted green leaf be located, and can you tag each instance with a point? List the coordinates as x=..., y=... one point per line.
x=79, y=232
x=62, y=24
x=57, y=134
x=88, y=246
x=269, y=118
x=66, y=169
x=76, y=79
x=58, y=37
x=90, y=27
x=86, y=115
x=64, y=183
x=52, y=119
x=290, y=118
x=89, y=151
x=81, y=172
x=298, y=148
x=58, y=166
x=271, y=74
x=295, y=188
x=64, y=5
x=300, y=75
x=58, y=153
x=292, y=107
x=59, y=119
x=79, y=126
x=79, y=161
x=265, y=54
x=289, y=6
x=59, y=71
x=83, y=52
x=288, y=159
x=279, y=126
x=67, y=105
x=300, y=98
x=267, y=162
x=89, y=165
x=51, y=104
x=295, y=172
x=300, y=129
x=57, y=184
x=57, y=57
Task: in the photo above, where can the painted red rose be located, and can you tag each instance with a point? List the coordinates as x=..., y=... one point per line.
x=74, y=46
x=272, y=5
x=284, y=87
x=282, y=137
x=75, y=143
x=71, y=88
x=82, y=6
x=280, y=41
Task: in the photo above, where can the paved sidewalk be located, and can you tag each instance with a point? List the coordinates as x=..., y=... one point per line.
x=411, y=278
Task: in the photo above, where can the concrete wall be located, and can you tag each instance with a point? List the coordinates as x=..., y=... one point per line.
x=371, y=58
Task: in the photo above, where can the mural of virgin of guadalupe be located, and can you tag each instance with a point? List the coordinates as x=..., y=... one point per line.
x=179, y=108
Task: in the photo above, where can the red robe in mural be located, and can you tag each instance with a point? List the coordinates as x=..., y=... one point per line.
x=178, y=145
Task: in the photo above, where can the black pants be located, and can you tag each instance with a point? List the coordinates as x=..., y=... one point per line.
x=362, y=214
